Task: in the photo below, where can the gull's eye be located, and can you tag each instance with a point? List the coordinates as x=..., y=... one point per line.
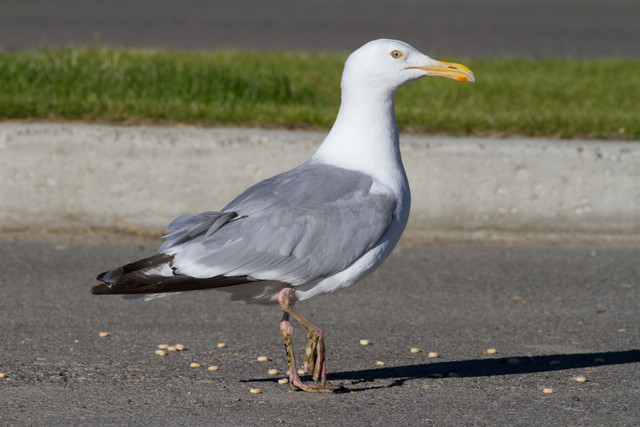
x=395, y=54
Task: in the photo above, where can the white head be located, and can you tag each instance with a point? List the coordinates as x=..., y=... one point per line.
x=364, y=136
x=386, y=65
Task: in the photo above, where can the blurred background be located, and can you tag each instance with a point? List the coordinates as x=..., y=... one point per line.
x=475, y=28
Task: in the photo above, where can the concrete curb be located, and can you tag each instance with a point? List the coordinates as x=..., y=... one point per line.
x=67, y=176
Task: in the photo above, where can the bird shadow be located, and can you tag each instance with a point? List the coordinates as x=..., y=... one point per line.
x=485, y=367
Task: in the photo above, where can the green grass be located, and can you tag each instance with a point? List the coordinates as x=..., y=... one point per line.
x=550, y=98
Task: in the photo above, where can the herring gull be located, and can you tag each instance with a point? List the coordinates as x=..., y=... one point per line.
x=317, y=228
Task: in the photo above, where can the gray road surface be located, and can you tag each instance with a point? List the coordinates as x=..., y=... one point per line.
x=553, y=310
x=582, y=28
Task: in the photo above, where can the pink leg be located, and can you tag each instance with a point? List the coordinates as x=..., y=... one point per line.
x=314, y=355
x=314, y=360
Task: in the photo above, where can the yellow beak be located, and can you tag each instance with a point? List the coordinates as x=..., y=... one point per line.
x=449, y=70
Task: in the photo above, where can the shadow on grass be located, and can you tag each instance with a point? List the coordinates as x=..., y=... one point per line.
x=482, y=367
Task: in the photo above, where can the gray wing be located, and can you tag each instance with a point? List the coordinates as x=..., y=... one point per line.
x=307, y=223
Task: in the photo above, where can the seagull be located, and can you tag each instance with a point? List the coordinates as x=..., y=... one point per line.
x=317, y=228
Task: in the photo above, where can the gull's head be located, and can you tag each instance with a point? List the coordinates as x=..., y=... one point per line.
x=387, y=65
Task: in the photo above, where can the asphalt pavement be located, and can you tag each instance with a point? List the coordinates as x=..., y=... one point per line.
x=553, y=308
x=539, y=28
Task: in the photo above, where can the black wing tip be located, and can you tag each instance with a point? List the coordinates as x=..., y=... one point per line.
x=101, y=289
x=136, y=284
x=111, y=278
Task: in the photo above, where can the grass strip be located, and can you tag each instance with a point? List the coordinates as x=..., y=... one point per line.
x=512, y=96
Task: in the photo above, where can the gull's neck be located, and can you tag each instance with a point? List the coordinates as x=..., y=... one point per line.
x=365, y=138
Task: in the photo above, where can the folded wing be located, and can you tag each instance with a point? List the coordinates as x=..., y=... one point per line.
x=299, y=226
